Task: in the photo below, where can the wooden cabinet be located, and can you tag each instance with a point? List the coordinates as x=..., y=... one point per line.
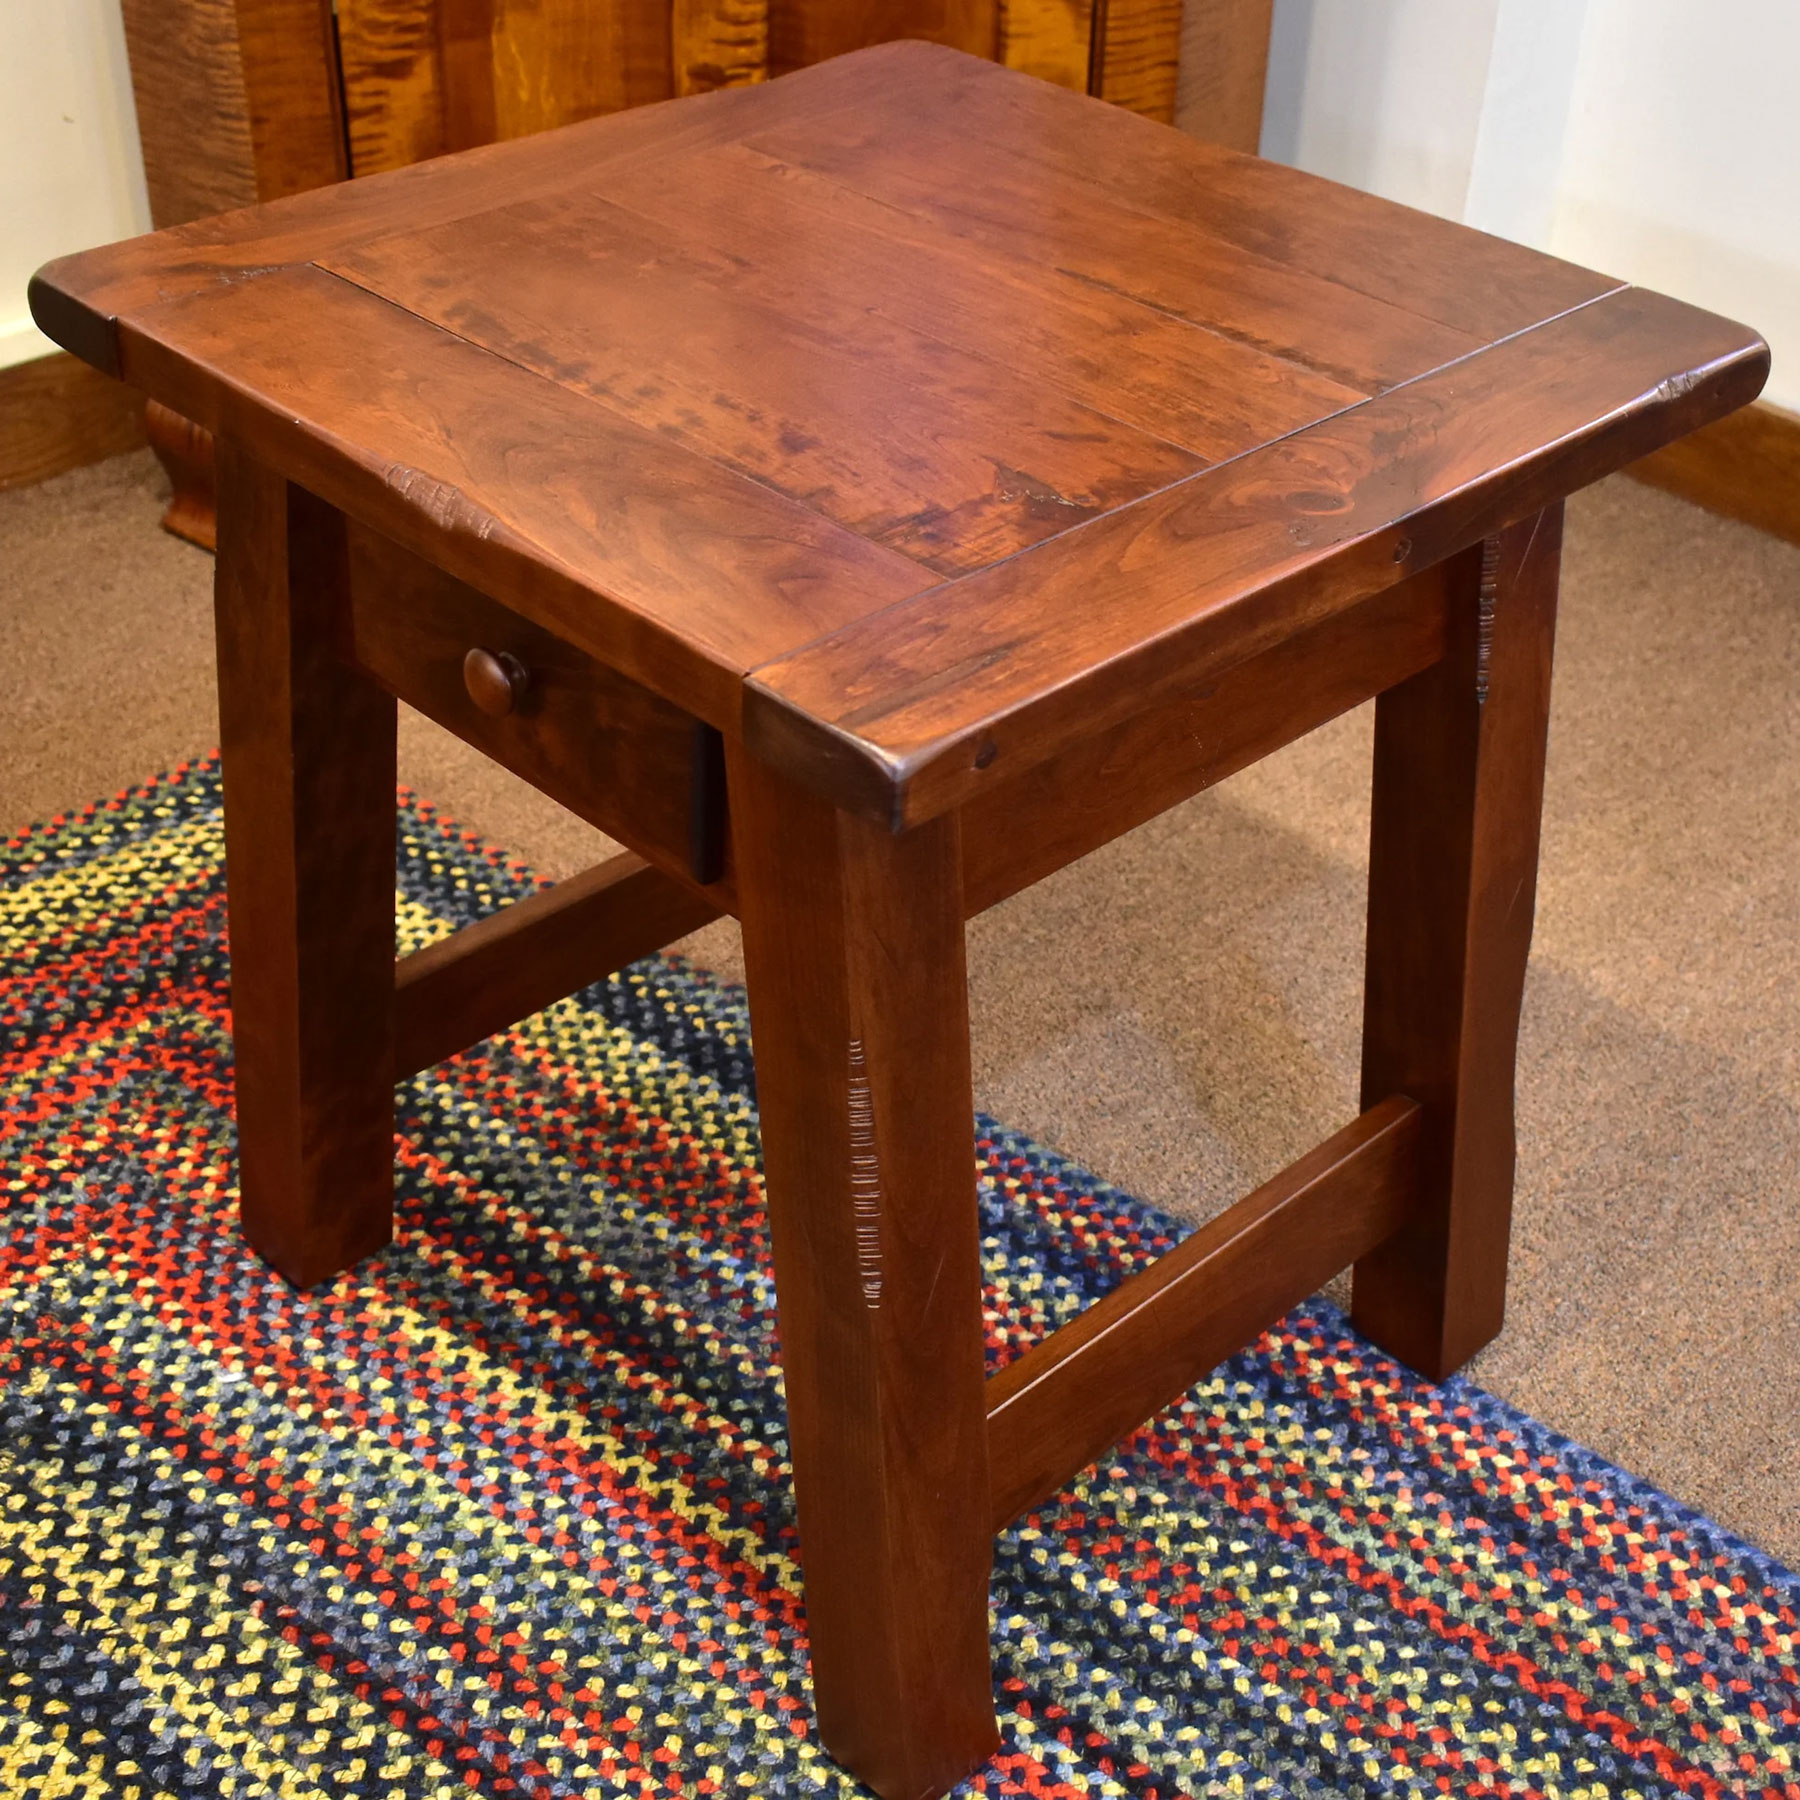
x=424, y=76
x=247, y=100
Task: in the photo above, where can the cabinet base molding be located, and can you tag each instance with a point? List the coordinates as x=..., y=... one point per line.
x=185, y=451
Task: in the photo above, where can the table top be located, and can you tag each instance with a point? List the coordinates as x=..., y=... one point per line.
x=907, y=413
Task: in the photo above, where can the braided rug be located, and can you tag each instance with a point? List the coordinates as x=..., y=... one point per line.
x=505, y=1511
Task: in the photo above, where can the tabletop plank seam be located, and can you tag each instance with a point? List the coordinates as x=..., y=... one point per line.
x=1222, y=155
x=1328, y=371
x=1325, y=371
x=1140, y=437
x=1210, y=471
x=96, y=318
x=884, y=719
x=1002, y=274
x=601, y=404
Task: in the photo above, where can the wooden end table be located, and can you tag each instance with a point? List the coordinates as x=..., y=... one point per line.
x=862, y=496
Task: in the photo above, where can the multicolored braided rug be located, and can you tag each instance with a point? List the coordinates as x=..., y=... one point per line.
x=505, y=1510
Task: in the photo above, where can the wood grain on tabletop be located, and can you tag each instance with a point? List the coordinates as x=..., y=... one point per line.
x=729, y=386
x=943, y=453
x=89, y=292
x=675, y=570
x=912, y=710
x=1068, y=235
x=972, y=123
x=941, y=273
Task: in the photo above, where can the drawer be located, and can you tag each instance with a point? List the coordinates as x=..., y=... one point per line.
x=625, y=759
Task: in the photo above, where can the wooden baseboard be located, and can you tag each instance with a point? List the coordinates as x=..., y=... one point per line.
x=56, y=413
x=1746, y=466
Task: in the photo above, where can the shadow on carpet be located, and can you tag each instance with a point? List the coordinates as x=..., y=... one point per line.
x=505, y=1510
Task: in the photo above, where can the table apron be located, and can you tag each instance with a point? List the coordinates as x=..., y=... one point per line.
x=651, y=775
x=642, y=769
x=1099, y=787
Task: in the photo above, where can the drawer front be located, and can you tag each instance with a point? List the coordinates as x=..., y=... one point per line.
x=623, y=758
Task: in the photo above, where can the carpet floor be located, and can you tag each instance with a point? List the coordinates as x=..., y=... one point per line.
x=505, y=1510
x=1179, y=1011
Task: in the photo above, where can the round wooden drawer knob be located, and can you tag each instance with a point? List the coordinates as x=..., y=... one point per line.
x=496, y=683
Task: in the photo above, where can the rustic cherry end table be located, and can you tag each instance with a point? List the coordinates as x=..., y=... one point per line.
x=862, y=496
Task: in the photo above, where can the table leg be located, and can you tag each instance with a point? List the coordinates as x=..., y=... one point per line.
x=308, y=747
x=853, y=941
x=1459, y=777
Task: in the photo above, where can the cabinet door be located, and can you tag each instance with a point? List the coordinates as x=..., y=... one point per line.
x=425, y=76
x=237, y=101
x=808, y=31
x=1047, y=38
x=1136, y=53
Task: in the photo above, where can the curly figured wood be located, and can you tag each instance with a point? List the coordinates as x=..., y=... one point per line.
x=391, y=53
x=718, y=43
x=1051, y=39
x=1137, y=56
x=865, y=1176
x=1487, y=596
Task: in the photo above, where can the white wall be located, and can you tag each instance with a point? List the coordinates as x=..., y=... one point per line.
x=1377, y=93
x=1656, y=140
x=70, y=172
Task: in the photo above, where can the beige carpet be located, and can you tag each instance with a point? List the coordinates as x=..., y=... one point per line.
x=1179, y=1011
